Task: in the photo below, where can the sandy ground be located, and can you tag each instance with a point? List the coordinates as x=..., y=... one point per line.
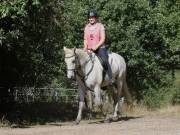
x=145, y=125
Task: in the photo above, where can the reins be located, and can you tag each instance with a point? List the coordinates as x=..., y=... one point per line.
x=91, y=59
x=83, y=78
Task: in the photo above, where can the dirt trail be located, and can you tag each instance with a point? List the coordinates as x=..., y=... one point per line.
x=153, y=125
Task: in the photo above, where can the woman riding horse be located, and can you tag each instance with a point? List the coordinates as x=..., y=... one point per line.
x=88, y=71
x=94, y=39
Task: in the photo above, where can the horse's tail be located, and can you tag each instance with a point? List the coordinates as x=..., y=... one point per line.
x=127, y=93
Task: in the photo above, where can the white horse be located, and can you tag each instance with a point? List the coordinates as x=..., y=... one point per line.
x=86, y=68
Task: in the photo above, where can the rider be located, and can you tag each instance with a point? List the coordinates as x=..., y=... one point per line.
x=94, y=39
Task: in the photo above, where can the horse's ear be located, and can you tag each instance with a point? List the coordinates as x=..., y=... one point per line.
x=74, y=49
x=65, y=48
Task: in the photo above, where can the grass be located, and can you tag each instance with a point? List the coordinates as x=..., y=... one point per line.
x=177, y=79
x=141, y=110
x=168, y=110
x=176, y=96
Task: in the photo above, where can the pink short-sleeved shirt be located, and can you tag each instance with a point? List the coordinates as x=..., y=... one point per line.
x=92, y=34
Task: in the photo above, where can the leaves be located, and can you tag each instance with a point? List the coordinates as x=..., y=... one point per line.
x=29, y=34
x=13, y=8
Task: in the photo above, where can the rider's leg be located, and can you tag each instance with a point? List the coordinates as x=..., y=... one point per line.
x=102, y=52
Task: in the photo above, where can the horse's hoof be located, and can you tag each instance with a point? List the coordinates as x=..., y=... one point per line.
x=90, y=117
x=77, y=122
x=115, y=118
x=107, y=121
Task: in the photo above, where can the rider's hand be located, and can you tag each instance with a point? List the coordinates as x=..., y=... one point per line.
x=94, y=48
x=89, y=51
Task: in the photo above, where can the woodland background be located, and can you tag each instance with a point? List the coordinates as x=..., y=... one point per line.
x=145, y=32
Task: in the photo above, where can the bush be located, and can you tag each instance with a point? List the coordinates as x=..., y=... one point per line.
x=176, y=94
x=156, y=98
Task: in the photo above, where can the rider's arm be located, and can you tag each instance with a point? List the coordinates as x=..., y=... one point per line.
x=85, y=39
x=103, y=37
x=85, y=44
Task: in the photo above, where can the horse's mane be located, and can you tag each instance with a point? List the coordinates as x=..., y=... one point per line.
x=81, y=53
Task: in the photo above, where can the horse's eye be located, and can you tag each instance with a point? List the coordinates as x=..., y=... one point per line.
x=73, y=61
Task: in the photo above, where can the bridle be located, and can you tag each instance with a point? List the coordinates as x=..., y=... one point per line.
x=74, y=55
x=78, y=66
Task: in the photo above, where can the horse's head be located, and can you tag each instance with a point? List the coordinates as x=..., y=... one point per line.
x=70, y=60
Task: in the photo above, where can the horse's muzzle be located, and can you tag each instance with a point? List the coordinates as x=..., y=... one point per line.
x=70, y=75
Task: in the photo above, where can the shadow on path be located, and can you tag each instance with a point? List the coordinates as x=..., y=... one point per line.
x=126, y=118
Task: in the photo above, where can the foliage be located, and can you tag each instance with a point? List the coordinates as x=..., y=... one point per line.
x=156, y=98
x=176, y=96
x=31, y=38
x=176, y=87
x=145, y=32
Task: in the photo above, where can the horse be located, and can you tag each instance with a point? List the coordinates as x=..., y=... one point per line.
x=86, y=68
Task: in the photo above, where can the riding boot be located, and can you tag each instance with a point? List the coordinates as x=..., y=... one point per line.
x=107, y=69
x=109, y=72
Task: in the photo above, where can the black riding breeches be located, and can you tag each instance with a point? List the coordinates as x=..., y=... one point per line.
x=103, y=53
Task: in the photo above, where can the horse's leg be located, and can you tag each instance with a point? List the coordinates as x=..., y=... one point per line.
x=97, y=92
x=78, y=119
x=89, y=103
x=115, y=107
x=81, y=103
x=89, y=100
x=116, y=97
x=126, y=93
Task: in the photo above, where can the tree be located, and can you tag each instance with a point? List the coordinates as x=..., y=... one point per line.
x=31, y=35
x=31, y=38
